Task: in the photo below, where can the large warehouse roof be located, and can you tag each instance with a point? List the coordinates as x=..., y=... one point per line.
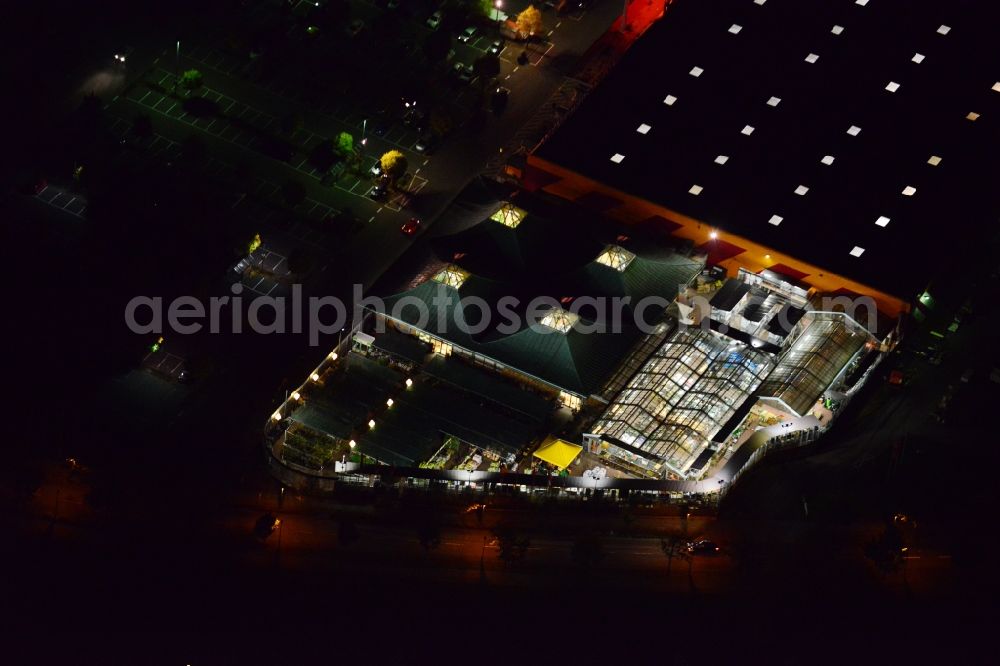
x=859, y=136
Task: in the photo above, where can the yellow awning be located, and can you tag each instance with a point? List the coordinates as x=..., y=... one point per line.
x=558, y=452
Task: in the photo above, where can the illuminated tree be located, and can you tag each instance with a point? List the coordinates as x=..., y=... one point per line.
x=394, y=164
x=345, y=144
x=253, y=244
x=529, y=22
x=191, y=79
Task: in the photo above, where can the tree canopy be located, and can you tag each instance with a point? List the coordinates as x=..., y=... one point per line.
x=394, y=164
x=529, y=22
x=344, y=144
x=191, y=79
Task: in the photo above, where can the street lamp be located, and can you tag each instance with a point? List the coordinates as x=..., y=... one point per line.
x=498, y=4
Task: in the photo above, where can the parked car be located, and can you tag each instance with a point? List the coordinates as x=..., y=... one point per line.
x=122, y=55
x=499, y=98
x=378, y=190
x=702, y=547
x=496, y=46
x=427, y=144
x=467, y=34
x=411, y=226
x=463, y=72
x=434, y=22
x=376, y=169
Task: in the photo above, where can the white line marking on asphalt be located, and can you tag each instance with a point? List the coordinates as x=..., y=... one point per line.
x=426, y=160
x=371, y=219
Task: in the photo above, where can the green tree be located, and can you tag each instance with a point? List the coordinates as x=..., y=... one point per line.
x=254, y=243
x=344, y=145
x=191, y=79
x=394, y=164
x=529, y=22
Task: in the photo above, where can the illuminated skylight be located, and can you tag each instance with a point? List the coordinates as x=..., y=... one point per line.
x=892, y=86
x=857, y=251
x=774, y=101
x=854, y=130
x=453, y=276
x=759, y=2
x=617, y=158
x=559, y=320
x=695, y=190
x=801, y=190
x=861, y=2
x=721, y=159
x=735, y=28
x=996, y=87
x=917, y=58
x=812, y=57
x=943, y=30
x=827, y=160
x=696, y=71
x=509, y=215
x=775, y=220
x=643, y=128
x=972, y=115
x=882, y=221
x=669, y=100
x=934, y=160
x=747, y=129
x=616, y=257
x=909, y=191
x=837, y=29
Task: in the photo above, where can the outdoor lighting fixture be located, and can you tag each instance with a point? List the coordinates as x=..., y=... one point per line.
x=276, y=416
x=371, y=423
x=333, y=356
x=713, y=235
x=352, y=444
x=695, y=190
x=409, y=382
x=296, y=395
x=314, y=377
x=934, y=160
x=389, y=403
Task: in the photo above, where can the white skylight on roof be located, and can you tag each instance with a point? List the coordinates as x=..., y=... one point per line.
x=972, y=115
x=882, y=221
x=934, y=160
x=917, y=58
x=695, y=190
x=696, y=71
x=747, y=129
x=837, y=29
x=892, y=86
x=909, y=191
x=827, y=160
x=559, y=320
x=801, y=190
x=616, y=257
x=617, y=158
x=509, y=215
x=775, y=220
x=854, y=130
x=812, y=57
x=722, y=159
x=943, y=30
x=643, y=129
x=669, y=100
x=857, y=251
x=759, y=2
x=861, y=2
x=735, y=28
x=453, y=276
x=996, y=87
x=774, y=101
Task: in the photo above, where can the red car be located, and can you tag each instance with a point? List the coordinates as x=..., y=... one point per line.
x=411, y=226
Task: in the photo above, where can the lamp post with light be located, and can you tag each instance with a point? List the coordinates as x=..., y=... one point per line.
x=498, y=4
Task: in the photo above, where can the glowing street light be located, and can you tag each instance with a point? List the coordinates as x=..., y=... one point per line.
x=314, y=376
x=276, y=416
x=333, y=356
x=409, y=382
x=296, y=395
x=371, y=423
x=713, y=235
x=389, y=403
x=352, y=444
